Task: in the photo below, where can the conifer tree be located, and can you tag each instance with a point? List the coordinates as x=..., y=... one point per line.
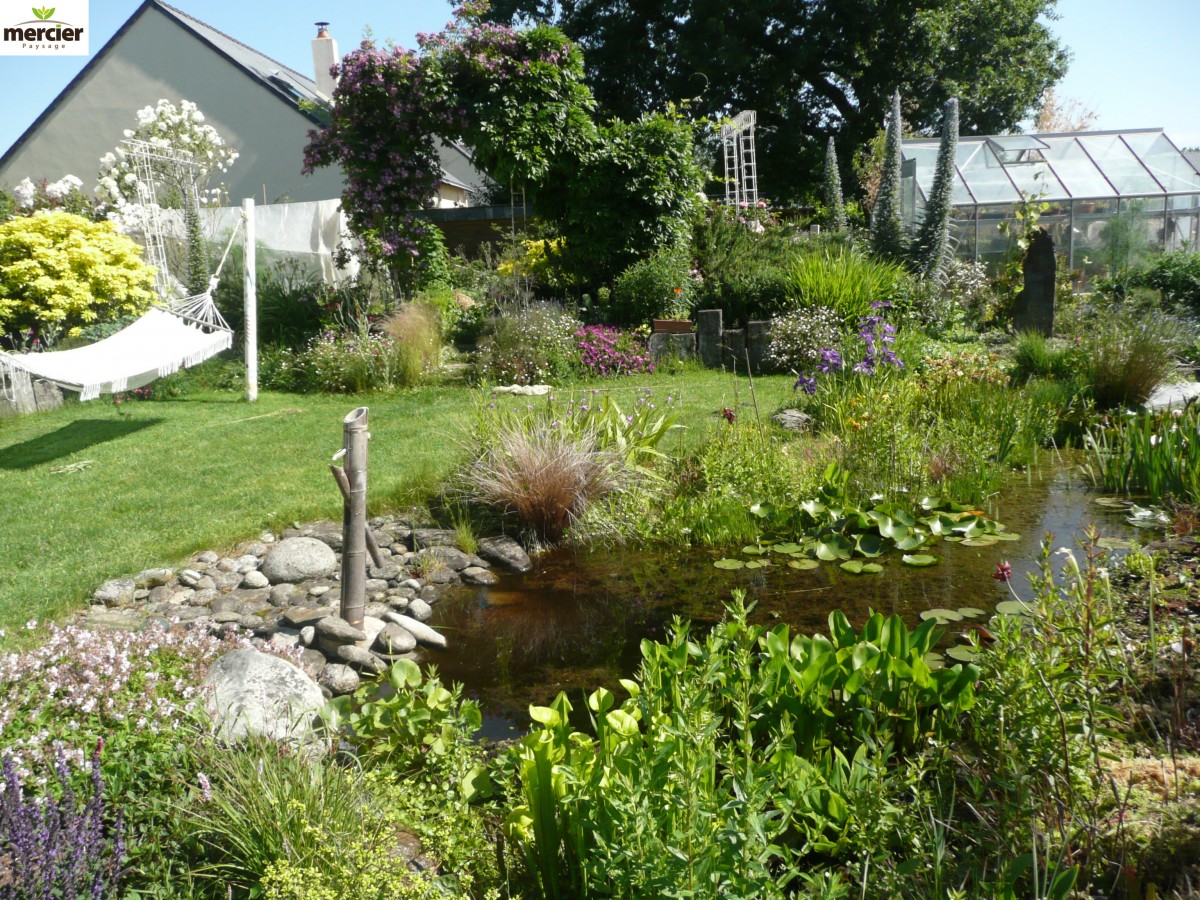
x=834, y=204
x=887, y=233
x=931, y=248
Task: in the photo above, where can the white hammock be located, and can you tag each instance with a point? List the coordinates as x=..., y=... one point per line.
x=158, y=344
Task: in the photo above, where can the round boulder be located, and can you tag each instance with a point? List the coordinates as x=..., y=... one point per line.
x=299, y=559
x=251, y=693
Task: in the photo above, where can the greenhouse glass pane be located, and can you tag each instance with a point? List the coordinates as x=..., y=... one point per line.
x=926, y=157
x=986, y=178
x=1036, y=180
x=1167, y=163
x=1120, y=165
x=1182, y=231
x=1091, y=218
x=962, y=231
x=1185, y=201
x=1008, y=143
x=1078, y=173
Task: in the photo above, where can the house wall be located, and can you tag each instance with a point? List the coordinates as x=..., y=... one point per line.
x=156, y=58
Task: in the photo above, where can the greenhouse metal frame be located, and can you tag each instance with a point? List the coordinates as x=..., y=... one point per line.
x=1081, y=181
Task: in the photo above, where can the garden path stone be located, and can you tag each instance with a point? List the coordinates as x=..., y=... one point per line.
x=251, y=693
x=115, y=592
x=339, y=678
x=299, y=559
x=117, y=619
x=505, y=551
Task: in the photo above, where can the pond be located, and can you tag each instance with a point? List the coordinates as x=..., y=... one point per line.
x=576, y=621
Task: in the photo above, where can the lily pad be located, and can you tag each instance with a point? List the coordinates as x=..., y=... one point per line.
x=869, y=545
x=757, y=564
x=754, y=551
x=979, y=541
x=789, y=547
x=1112, y=543
x=730, y=564
x=918, y=559
x=962, y=653
x=971, y=612
x=1006, y=536
x=912, y=542
x=835, y=547
x=934, y=660
x=803, y=564
x=1014, y=608
x=942, y=616
x=1111, y=502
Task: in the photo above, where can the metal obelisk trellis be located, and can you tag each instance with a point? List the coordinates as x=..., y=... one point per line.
x=741, y=170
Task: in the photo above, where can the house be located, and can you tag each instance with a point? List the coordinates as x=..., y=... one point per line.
x=260, y=107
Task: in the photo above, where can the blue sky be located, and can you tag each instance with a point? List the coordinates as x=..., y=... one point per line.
x=1134, y=64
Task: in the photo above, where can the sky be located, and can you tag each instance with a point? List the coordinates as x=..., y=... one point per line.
x=1133, y=64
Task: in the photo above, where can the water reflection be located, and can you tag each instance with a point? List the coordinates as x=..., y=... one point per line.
x=577, y=620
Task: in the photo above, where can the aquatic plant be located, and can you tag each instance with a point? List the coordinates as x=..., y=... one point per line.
x=1154, y=453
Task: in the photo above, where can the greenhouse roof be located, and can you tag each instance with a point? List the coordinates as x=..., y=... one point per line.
x=1091, y=164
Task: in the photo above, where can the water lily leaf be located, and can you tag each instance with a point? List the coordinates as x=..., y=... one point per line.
x=1007, y=536
x=971, y=612
x=918, y=559
x=962, y=653
x=729, y=564
x=814, y=508
x=753, y=550
x=1111, y=502
x=953, y=538
x=869, y=545
x=789, y=547
x=803, y=564
x=896, y=531
x=870, y=568
x=834, y=547
x=934, y=660
x=940, y=523
x=911, y=542
x=1112, y=543
x=762, y=510
x=931, y=503
x=980, y=541
x=853, y=566
x=971, y=527
x=1014, y=608
x=757, y=564
x=943, y=616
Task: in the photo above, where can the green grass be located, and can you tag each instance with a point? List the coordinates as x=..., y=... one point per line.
x=166, y=479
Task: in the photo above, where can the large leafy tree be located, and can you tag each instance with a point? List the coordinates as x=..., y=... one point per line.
x=812, y=68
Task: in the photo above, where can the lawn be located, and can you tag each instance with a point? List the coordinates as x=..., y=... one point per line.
x=94, y=491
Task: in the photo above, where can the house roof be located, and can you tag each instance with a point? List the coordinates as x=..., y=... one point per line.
x=1141, y=162
x=287, y=84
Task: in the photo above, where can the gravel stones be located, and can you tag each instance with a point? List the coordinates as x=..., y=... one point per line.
x=299, y=559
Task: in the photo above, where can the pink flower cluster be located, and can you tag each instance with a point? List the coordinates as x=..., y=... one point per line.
x=606, y=351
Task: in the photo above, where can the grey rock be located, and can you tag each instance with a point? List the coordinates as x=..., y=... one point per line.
x=161, y=594
x=227, y=615
x=339, y=678
x=257, y=549
x=358, y=658
x=284, y=594
x=268, y=537
x=205, y=583
x=140, y=594
x=251, y=621
x=479, y=561
x=247, y=562
x=374, y=586
x=336, y=631
x=328, y=534
x=450, y=557
x=399, y=604
x=441, y=576
x=394, y=640
x=389, y=572
x=422, y=632
x=255, y=579
x=412, y=584
x=476, y=575
x=207, y=558
x=152, y=578
x=251, y=693
x=431, y=537
x=312, y=662
x=115, y=592
x=115, y=619
x=223, y=605
x=375, y=610
x=308, y=634
x=420, y=610
x=318, y=590
x=431, y=592
x=225, y=564
x=371, y=627
x=504, y=551
x=176, y=613
x=282, y=640
x=204, y=597
x=793, y=420
x=298, y=559
x=299, y=616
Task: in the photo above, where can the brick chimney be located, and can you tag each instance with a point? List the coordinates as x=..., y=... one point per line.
x=325, y=56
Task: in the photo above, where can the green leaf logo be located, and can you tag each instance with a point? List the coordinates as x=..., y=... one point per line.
x=44, y=12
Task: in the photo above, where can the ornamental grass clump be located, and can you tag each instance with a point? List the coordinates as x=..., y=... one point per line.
x=416, y=334
x=54, y=844
x=1129, y=353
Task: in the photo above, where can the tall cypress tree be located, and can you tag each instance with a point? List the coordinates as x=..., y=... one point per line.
x=834, y=203
x=932, y=247
x=887, y=233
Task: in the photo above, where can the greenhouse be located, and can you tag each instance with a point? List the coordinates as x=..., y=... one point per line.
x=1085, y=179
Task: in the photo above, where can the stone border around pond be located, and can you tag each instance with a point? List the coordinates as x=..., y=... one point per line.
x=285, y=590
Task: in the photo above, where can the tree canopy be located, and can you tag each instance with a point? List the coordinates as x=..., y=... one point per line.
x=812, y=68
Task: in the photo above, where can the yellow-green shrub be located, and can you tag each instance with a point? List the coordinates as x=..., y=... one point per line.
x=62, y=269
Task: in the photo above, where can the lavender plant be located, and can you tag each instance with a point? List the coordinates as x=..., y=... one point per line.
x=51, y=846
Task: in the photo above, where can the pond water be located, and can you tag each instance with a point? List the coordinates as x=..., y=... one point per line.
x=576, y=621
